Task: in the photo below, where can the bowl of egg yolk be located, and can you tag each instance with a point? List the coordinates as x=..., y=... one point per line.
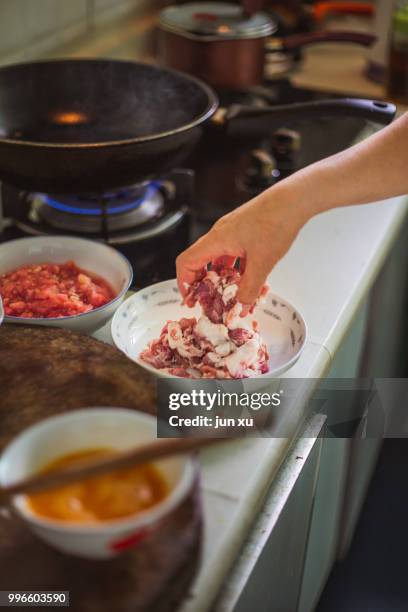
x=101, y=516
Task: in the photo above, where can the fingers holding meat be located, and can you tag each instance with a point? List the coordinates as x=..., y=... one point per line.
x=253, y=283
x=191, y=265
x=259, y=232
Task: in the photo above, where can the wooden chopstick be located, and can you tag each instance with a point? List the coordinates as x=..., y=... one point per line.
x=166, y=447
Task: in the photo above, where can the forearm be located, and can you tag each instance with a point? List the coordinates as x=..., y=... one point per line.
x=374, y=169
x=261, y=231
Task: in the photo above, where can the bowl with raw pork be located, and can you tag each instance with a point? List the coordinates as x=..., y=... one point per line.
x=205, y=336
x=62, y=281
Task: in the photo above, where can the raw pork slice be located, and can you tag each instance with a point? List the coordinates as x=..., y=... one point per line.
x=221, y=343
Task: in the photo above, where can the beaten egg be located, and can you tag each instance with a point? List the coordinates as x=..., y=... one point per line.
x=117, y=494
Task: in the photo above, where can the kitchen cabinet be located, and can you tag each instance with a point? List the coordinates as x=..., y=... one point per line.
x=268, y=575
x=371, y=348
x=325, y=523
x=334, y=465
x=384, y=356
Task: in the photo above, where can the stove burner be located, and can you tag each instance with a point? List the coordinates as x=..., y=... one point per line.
x=148, y=222
x=111, y=211
x=114, y=202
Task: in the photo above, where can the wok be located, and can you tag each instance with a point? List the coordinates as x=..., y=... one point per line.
x=79, y=126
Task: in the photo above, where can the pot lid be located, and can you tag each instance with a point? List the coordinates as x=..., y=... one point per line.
x=215, y=20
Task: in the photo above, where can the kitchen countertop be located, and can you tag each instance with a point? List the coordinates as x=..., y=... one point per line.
x=342, y=71
x=326, y=274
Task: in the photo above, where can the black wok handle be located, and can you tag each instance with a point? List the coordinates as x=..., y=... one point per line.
x=241, y=120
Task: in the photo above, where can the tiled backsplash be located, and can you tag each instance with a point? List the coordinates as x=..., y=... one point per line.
x=32, y=28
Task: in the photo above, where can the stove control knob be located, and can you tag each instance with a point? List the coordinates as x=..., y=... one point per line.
x=286, y=145
x=261, y=172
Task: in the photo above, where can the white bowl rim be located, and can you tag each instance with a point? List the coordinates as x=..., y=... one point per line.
x=11, y=318
x=142, y=519
x=159, y=373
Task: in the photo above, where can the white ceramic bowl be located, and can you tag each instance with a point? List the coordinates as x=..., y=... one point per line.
x=141, y=318
x=89, y=255
x=85, y=429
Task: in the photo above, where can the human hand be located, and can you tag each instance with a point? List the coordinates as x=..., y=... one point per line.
x=260, y=232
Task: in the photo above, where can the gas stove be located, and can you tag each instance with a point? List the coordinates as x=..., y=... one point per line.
x=230, y=171
x=153, y=221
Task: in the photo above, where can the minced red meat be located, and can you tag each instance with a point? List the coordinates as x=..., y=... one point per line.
x=221, y=343
x=52, y=290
